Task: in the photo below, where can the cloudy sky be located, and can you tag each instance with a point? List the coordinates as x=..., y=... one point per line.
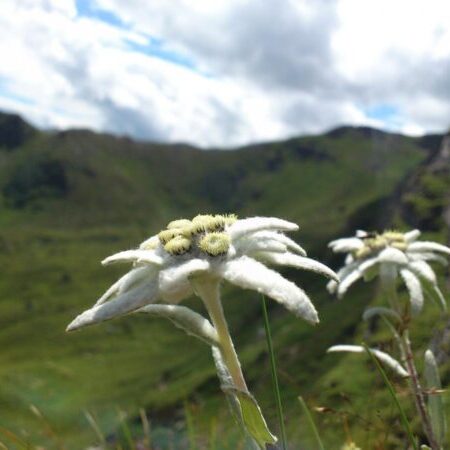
x=226, y=72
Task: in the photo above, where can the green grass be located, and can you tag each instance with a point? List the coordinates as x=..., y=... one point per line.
x=393, y=394
x=273, y=371
x=120, y=192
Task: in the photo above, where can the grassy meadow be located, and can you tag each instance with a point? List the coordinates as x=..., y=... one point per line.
x=69, y=199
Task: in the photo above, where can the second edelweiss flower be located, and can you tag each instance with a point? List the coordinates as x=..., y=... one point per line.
x=216, y=247
x=393, y=255
x=390, y=254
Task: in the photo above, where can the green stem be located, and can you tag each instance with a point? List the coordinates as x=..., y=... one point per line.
x=311, y=423
x=209, y=292
x=417, y=391
x=394, y=397
x=404, y=345
x=273, y=370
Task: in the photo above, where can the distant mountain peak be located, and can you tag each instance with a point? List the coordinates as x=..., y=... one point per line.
x=14, y=131
x=363, y=130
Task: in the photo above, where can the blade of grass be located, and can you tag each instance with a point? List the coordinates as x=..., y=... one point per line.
x=213, y=434
x=190, y=427
x=312, y=425
x=14, y=438
x=391, y=390
x=273, y=370
x=48, y=428
x=94, y=425
x=125, y=430
x=145, y=428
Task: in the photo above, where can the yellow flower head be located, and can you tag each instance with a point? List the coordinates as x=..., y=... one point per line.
x=179, y=223
x=376, y=242
x=215, y=244
x=179, y=245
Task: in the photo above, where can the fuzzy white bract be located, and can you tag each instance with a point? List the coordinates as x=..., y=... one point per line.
x=389, y=255
x=216, y=247
x=381, y=356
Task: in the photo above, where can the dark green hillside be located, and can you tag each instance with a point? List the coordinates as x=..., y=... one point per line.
x=68, y=199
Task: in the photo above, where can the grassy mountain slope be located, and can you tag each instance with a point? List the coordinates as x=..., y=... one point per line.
x=69, y=199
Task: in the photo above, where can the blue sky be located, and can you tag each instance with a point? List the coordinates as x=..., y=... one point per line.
x=88, y=8
x=382, y=112
x=154, y=46
x=227, y=72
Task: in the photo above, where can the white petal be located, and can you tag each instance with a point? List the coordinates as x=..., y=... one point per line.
x=391, y=362
x=186, y=319
x=346, y=245
x=349, y=259
x=367, y=264
x=346, y=282
x=425, y=246
x=127, y=302
x=412, y=235
x=414, y=288
x=300, y=262
x=250, y=274
x=423, y=270
x=174, y=281
x=346, y=348
x=371, y=272
x=427, y=256
x=126, y=282
x=381, y=311
x=332, y=286
x=433, y=292
x=136, y=256
x=440, y=297
x=361, y=233
x=349, y=270
x=150, y=242
x=252, y=246
x=352, y=272
x=279, y=237
x=253, y=224
x=382, y=356
x=392, y=255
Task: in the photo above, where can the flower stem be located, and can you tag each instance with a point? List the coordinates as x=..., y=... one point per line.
x=417, y=391
x=404, y=344
x=208, y=290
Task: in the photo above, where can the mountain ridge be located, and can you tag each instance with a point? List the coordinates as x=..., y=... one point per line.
x=15, y=122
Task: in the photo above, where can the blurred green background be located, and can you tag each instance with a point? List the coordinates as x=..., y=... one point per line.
x=69, y=199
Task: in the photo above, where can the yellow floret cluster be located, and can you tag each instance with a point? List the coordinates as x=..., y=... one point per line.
x=205, y=232
x=376, y=242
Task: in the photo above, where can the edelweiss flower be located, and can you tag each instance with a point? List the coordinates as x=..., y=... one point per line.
x=195, y=256
x=388, y=255
x=210, y=247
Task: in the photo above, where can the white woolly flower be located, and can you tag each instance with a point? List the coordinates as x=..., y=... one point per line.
x=194, y=256
x=218, y=247
x=389, y=255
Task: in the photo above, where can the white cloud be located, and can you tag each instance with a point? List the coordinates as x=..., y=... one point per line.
x=260, y=70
